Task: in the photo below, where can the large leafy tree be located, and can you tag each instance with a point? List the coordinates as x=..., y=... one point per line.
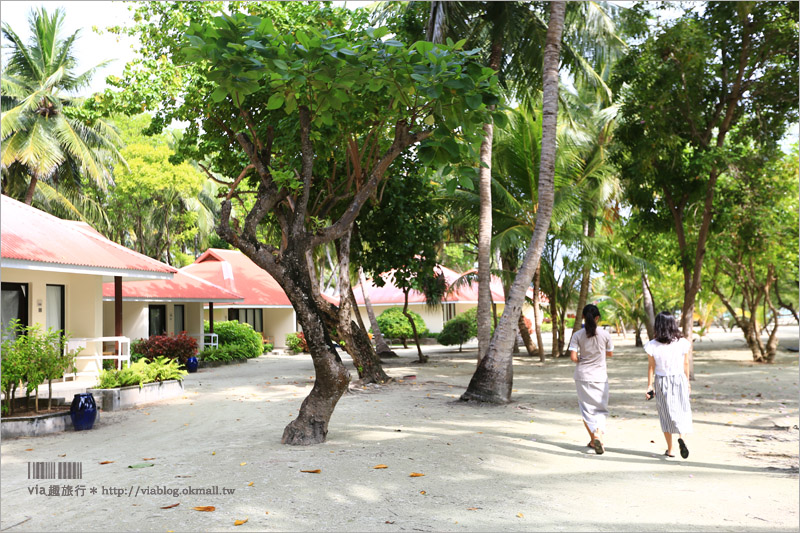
x=732, y=65
x=46, y=135
x=304, y=126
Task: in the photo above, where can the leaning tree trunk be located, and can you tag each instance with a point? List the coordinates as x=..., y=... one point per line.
x=537, y=311
x=422, y=358
x=381, y=347
x=554, y=323
x=649, y=308
x=525, y=333
x=31, y=190
x=494, y=376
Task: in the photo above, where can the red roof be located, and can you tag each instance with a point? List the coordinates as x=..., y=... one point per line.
x=31, y=237
x=234, y=271
x=389, y=294
x=182, y=287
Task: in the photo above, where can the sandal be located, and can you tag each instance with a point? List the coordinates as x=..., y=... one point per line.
x=598, y=447
x=666, y=452
x=684, y=449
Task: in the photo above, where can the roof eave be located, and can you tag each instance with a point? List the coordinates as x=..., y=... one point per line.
x=24, y=264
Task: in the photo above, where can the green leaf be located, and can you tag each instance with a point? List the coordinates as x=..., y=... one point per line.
x=219, y=94
x=141, y=465
x=280, y=64
x=347, y=52
x=255, y=44
x=275, y=101
x=474, y=101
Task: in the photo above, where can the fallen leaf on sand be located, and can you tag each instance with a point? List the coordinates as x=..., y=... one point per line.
x=240, y=522
x=472, y=508
x=520, y=515
x=250, y=484
x=171, y=506
x=415, y=474
x=106, y=462
x=213, y=453
x=141, y=465
x=317, y=471
x=378, y=467
x=423, y=492
x=63, y=455
x=148, y=458
x=205, y=508
x=266, y=512
x=242, y=464
x=28, y=449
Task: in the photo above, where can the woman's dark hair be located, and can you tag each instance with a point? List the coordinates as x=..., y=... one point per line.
x=590, y=315
x=666, y=330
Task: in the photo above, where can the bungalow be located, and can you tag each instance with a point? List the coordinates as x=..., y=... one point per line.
x=264, y=305
x=462, y=296
x=52, y=274
x=164, y=306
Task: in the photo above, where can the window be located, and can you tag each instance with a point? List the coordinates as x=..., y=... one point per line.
x=254, y=317
x=180, y=323
x=14, y=305
x=158, y=320
x=55, y=307
x=448, y=311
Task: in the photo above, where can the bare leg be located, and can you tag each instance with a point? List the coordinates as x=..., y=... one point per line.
x=591, y=435
x=668, y=437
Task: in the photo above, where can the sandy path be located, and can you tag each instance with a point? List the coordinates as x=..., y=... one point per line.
x=523, y=466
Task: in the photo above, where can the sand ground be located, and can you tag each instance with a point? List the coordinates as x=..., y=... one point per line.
x=519, y=467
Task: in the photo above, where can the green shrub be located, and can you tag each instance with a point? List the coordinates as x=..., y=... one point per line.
x=235, y=332
x=141, y=372
x=296, y=342
x=268, y=347
x=229, y=352
x=395, y=325
x=137, y=350
x=461, y=328
x=569, y=322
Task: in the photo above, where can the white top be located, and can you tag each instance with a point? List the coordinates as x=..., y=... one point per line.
x=669, y=357
x=592, y=354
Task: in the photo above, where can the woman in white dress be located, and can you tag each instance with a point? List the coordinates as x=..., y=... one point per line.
x=668, y=380
x=591, y=378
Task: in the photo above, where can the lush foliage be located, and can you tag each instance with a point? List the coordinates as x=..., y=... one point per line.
x=394, y=324
x=179, y=347
x=229, y=352
x=141, y=372
x=296, y=342
x=32, y=356
x=235, y=332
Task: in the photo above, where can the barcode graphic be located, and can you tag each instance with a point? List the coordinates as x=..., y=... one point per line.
x=54, y=470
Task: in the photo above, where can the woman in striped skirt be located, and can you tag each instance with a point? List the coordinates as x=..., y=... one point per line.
x=668, y=379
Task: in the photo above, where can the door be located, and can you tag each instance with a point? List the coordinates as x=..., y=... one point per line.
x=55, y=307
x=14, y=306
x=158, y=320
x=180, y=324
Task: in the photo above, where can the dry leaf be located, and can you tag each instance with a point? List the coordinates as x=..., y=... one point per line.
x=240, y=522
x=317, y=471
x=206, y=508
x=520, y=515
x=266, y=512
x=28, y=449
x=250, y=484
x=423, y=492
x=171, y=506
x=378, y=467
x=106, y=462
x=242, y=464
x=63, y=455
x=415, y=474
x=213, y=453
x=148, y=458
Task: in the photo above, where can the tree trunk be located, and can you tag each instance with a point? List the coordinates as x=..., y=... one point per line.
x=31, y=190
x=380, y=343
x=586, y=276
x=435, y=29
x=332, y=378
x=422, y=358
x=649, y=309
x=49, y=394
x=485, y=222
x=537, y=312
x=554, y=329
x=493, y=379
x=639, y=342
x=526, y=336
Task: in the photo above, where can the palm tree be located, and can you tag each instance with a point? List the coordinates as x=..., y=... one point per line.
x=45, y=137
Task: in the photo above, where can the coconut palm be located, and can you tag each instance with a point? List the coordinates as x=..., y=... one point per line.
x=45, y=134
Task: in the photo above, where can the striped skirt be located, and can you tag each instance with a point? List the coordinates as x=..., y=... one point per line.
x=593, y=401
x=672, y=398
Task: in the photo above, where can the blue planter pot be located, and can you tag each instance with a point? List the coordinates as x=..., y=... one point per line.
x=83, y=411
x=191, y=364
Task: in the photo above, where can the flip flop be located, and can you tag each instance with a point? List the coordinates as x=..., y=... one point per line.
x=666, y=452
x=598, y=447
x=591, y=444
x=684, y=449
